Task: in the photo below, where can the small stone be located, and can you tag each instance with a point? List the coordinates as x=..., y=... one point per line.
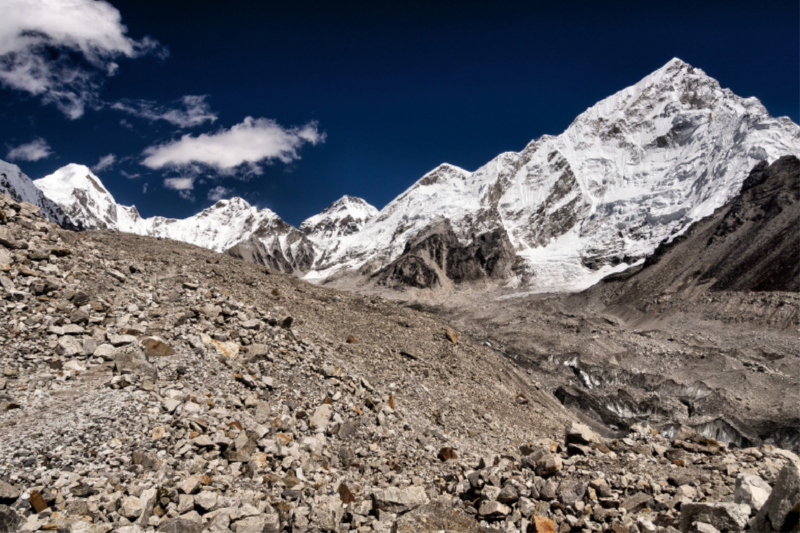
x=179, y=525
x=171, y=405
x=446, y=454
x=637, y=502
x=121, y=340
x=702, y=527
x=130, y=507
x=8, y=493
x=493, y=510
x=571, y=491
x=190, y=485
x=580, y=434
x=451, y=336
x=345, y=495
x=321, y=418
x=155, y=347
x=106, y=351
x=549, y=464
x=37, y=501
x=269, y=523
x=541, y=524
x=206, y=500
x=351, y=340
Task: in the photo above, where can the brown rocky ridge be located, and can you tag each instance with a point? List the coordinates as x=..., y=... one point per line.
x=150, y=385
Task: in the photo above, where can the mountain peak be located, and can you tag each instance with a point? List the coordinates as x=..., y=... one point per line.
x=82, y=196
x=345, y=216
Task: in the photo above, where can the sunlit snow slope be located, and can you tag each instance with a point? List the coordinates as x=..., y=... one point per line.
x=633, y=170
x=20, y=187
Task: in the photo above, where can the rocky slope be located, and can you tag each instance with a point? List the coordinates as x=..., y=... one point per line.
x=150, y=385
x=703, y=334
x=750, y=244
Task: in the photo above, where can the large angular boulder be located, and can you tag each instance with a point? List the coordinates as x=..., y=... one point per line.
x=751, y=490
x=438, y=515
x=397, y=500
x=580, y=434
x=782, y=509
x=723, y=516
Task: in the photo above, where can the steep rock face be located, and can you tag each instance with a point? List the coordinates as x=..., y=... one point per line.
x=18, y=186
x=636, y=169
x=750, y=244
x=436, y=256
x=279, y=246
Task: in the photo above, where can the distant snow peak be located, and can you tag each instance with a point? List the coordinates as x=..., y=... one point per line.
x=82, y=196
x=88, y=204
x=18, y=186
x=345, y=216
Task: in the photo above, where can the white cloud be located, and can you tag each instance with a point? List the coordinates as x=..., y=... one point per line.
x=179, y=184
x=244, y=145
x=144, y=189
x=32, y=151
x=218, y=193
x=184, y=185
x=59, y=50
x=186, y=112
x=130, y=176
x=105, y=162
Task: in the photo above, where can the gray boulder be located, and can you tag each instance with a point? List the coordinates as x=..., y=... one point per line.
x=723, y=516
x=783, y=505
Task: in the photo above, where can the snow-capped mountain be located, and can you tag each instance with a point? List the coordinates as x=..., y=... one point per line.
x=87, y=203
x=20, y=187
x=633, y=170
x=345, y=216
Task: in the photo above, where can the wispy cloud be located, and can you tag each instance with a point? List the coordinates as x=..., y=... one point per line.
x=186, y=112
x=130, y=176
x=61, y=50
x=244, y=146
x=32, y=151
x=218, y=193
x=107, y=161
x=184, y=186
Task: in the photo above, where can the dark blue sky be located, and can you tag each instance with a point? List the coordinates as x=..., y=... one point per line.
x=397, y=88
